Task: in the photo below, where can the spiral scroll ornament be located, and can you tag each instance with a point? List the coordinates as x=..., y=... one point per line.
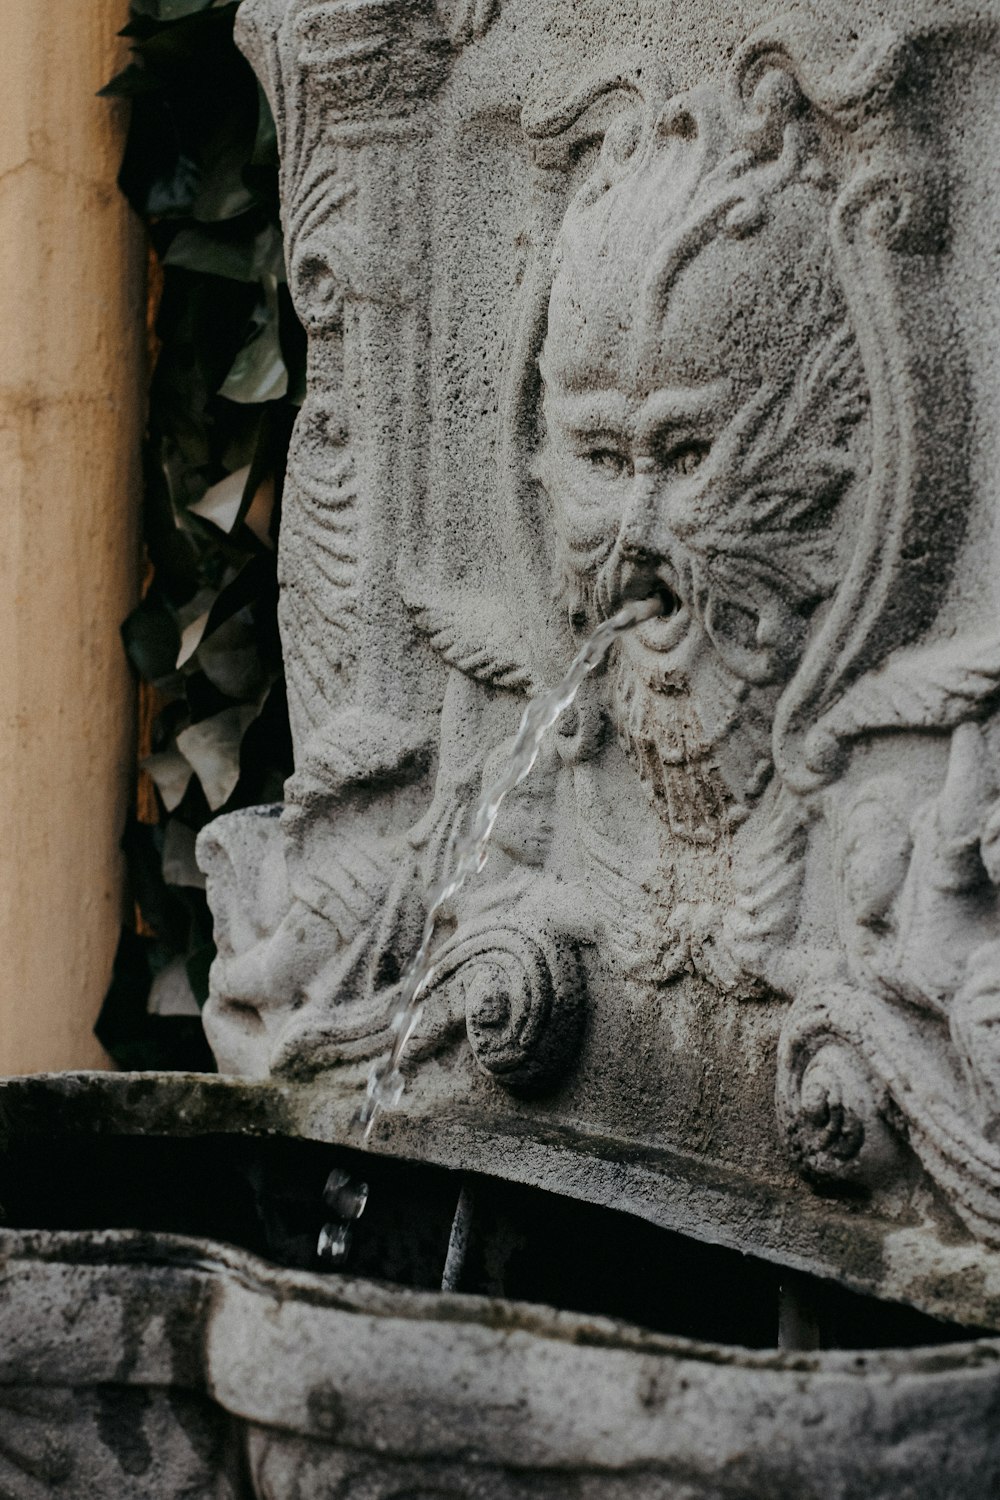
x=524, y=1006
x=835, y=1114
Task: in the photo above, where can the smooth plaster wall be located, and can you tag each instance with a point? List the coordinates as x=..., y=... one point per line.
x=71, y=286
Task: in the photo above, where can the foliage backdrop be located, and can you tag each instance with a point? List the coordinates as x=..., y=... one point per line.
x=200, y=168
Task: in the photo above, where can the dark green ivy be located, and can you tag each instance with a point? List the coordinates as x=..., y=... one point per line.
x=200, y=168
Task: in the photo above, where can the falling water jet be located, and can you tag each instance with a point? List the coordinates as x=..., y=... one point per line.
x=467, y=855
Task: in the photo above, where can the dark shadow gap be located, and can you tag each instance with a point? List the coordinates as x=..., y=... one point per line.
x=520, y=1243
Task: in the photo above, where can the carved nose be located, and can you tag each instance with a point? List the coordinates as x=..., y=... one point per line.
x=645, y=535
x=636, y=550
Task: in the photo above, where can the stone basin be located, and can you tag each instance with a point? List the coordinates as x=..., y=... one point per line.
x=136, y=1360
x=158, y=1365
x=155, y=1365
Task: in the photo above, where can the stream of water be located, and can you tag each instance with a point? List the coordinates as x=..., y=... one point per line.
x=344, y=1198
x=469, y=852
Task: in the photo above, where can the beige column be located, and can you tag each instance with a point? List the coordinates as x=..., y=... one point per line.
x=71, y=367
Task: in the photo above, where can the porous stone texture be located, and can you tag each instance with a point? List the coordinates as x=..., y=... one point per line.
x=630, y=300
x=622, y=300
x=323, y=1387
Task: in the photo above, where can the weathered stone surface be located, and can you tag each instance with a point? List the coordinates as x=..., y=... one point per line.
x=628, y=300
x=325, y=1387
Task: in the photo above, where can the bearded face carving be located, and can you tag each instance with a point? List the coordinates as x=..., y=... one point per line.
x=705, y=435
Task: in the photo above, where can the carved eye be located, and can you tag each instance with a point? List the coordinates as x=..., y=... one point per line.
x=686, y=457
x=609, y=461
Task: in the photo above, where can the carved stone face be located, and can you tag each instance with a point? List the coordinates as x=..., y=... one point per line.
x=699, y=407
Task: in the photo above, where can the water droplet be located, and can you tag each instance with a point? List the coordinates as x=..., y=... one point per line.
x=334, y=1243
x=344, y=1196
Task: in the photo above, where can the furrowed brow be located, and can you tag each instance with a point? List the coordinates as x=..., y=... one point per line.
x=592, y=411
x=682, y=405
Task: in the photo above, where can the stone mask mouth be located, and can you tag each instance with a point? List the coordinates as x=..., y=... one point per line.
x=668, y=628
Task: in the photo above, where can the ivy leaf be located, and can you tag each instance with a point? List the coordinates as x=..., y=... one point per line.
x=171, y=10
x=193, y=620
x=157, y=179
x=230, y=658
x=153, y=13
x=239, y=590
x=152, y=640
x=223, y=503
x=172, y=194
x=259, y=372
x=248, y=493
x=171, y=993
x=179, y=864
x=132, y=82
x=162, y=908
x=223, y=194
x=133, y=1037
x=171, y=774
x=217, y=251
x=119, y=1026
x=213, y=748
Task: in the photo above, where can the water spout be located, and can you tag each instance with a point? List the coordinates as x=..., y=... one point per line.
x=468, y=854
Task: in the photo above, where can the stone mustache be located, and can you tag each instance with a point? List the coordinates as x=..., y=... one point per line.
x=621, y=340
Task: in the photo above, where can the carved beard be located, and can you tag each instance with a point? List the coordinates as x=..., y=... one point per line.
x=701, y=747
x=697, y=736
x=664, y=741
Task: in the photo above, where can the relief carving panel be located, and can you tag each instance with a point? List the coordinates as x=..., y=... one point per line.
x=601, y=312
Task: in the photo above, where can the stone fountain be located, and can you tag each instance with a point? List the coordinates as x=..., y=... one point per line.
x=690, y=1183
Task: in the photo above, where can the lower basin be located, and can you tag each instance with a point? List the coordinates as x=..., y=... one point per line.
x=167, y=1330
